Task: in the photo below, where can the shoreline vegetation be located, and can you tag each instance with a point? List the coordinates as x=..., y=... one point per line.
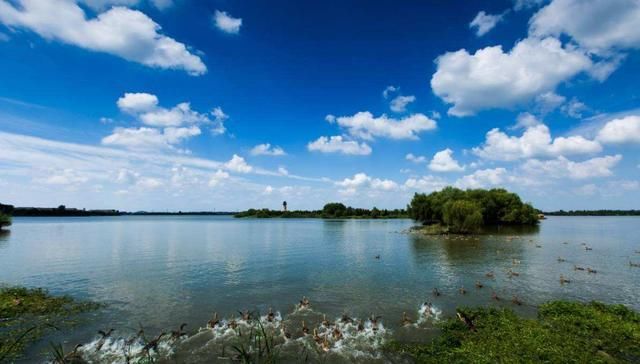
x=333, y=210
x=27, y=314
x=457, y=211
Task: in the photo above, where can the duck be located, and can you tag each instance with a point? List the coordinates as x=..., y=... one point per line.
x=538, y=246
x=406, y=320
x=515, y=261
x=575, y=267
x=516, y=301
x=232, y=324
x=246, y=315
x=377, y=256
x=317, y=338
x=494, y=296
x=374, y=322
x=467, y=320
x=479, y=284
x=74, y=356
x=270, y=315
x=360, y=327
x=490, y=275
x=305, y=329
x=435, y=292
x=513, y=274
x=103, y=338
x=325, y=322
x=563, y=280
x=565, y=242
x=337, y=334
x=589, y=270
x=304, y=302
x=287, y=334
x=214, y=321
x=176, y=334
x=561, y=260
x=427, y=309
x=631, y=264
x=588, y=248
x=153, y=344
x=325, y=344
x=462, y=290
x=345, y=319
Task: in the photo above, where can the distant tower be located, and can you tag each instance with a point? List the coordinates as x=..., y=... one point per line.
x=284, y=205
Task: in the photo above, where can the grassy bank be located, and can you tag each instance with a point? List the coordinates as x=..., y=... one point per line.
x=563, y=332
x=27, y=314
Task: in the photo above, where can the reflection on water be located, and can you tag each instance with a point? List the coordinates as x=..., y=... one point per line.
x=162, y=271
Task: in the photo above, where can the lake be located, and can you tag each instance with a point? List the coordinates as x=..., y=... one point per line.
x=167, y=270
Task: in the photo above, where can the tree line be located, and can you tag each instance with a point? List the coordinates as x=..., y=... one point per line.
x=461, y=211
x=332, y=210
x=594, y=213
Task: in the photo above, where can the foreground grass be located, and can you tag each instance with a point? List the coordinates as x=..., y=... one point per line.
x=27, y=314
x=564, y=332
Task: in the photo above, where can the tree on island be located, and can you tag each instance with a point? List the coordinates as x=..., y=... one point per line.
x=5, y=220
x=334, y=209
x=468, y=211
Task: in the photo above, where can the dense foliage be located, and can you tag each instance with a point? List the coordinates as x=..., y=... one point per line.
x=330, y=211
x=467, y=211
x=594, y=213
x=564, y=332
x=5, y=220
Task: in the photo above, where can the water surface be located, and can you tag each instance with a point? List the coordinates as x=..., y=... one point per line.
x=163, y=271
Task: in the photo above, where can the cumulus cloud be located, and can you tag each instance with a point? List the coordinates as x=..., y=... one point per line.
x=483, y=178
x=389, y=90
x=621, y=130
x=226, y=22
x=425, y=184
x=549, y=101
x=526, y=120
x=338, y=144
x=574, y=108
x=536, y=141
x=597, y=25
x=217, y=177
x=484, y=22
x=365, y=126
x=238, y=164
x=443, y=162
x=150, y=138
x=267, y=149
x=491, y=78
x=562, y=167
x=137, y=102
x=361, y=180
x=415, y=158
x=123, y=32
x=400, y=102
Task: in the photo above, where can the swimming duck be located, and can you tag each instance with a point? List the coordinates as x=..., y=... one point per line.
x=374, y=322
x=560, y=259
x=377, y=256
x=325, y=344
x=490, y=275
x=575, y=267
x=406, y=320
x=337, y=334
x=515, y=261
x=587, y=248
x=428, y=307
x=305, y=329
x=232, y=324
x=479, y=284
x=317, y=337
x=513, y=274
x=436, y=292
x=516, y=300
x=304, y=302
x=462, y=290
x=631, y=264
x=246, y=315
x=176, y=334
x=325, y=322
x=563, y=280
x=589, y=270
x=214, y=321
x=270, y=315
x=538, y=246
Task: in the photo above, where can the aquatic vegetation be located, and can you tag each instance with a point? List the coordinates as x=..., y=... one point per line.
x=27, y=314
x=563, y=332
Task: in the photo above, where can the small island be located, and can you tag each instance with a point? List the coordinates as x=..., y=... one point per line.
x=453, y=210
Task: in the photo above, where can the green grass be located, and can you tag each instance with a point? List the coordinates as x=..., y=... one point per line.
x=27, y=314
x=563, y=332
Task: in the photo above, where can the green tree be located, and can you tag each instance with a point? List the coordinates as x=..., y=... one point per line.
x=5, y=220
x=334, y=209
x=462, y=216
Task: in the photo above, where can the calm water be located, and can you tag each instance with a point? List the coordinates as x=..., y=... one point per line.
x=163, y=271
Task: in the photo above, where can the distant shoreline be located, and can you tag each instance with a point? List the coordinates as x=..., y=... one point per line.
x=593, y=213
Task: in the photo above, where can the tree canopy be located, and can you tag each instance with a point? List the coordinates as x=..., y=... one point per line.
x=468, y=211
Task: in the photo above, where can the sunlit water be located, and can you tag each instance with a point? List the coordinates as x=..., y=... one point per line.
x=164, y=271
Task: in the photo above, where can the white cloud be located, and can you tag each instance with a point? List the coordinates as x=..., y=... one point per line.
x=483, y=178
x=104, y=4
x=415, y=159
x=425, y=184
x=389, y=90
x=549, y=101
x=491, y=78
x=338, y=144
x=267, y=149
x=364, y=125
x=443, y=162
x=127, y=33
x=149, y=183
x=226, y=22
x=484, y=22
x=526, y=4
x=268, y=190
x=561, y=167
x=536, y=141
x=361, y=180
x=218, y=177
x=67, y=176
x=150, y=138
x=597, y=25
x=622, y=130
x=137, y=102
x=574, y=108
x=526, y=120
x=400, y=102
x=238, y=164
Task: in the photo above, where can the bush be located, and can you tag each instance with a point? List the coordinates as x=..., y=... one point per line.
x=5, y=220
x=462, y=216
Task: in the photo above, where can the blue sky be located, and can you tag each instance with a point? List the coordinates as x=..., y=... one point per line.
x=185, y=105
